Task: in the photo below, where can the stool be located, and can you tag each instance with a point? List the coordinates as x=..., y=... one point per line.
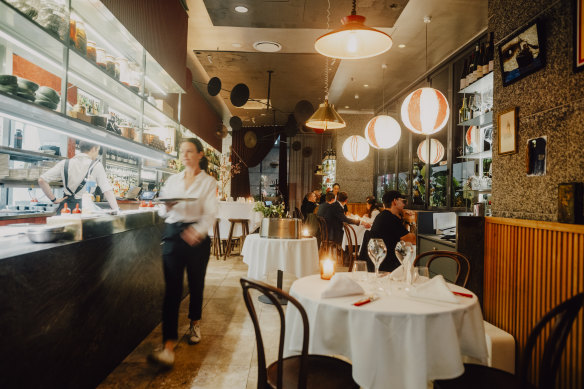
x=216, y=244
x=244, y=233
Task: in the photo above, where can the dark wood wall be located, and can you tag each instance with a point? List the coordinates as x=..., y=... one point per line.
x=161, y=26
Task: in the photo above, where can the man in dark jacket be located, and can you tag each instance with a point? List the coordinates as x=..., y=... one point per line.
x=335, y=216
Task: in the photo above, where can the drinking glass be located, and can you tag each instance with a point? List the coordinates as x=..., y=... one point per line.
x=404, y=251
x=422, y=271
x=377, y=252
x=360, y=270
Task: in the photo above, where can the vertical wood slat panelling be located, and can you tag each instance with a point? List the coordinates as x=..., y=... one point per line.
x=530, y=267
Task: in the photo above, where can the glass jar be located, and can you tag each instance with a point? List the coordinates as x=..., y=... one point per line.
x=80, y=38
x=110, y=65
x=124, y=70
x=72, y=31
x=117, y=70
x=91, y=51
x=52, y=16
x=100, y=57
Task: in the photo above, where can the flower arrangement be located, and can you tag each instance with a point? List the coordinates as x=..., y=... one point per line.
x=226, y=171
x=270, y=210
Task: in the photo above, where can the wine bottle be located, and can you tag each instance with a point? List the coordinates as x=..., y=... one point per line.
x=463, y=75
x=470, y=73
x=491, y=52
x=463, y=112
x=478, y=71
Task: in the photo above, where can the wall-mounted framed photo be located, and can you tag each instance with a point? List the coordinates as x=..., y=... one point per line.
x=579, y=35
x=507, y=132
x=522, y=53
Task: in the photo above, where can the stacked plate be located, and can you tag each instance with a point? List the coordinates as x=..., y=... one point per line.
x=8, y=84
x=27, y=89
x=47, y=97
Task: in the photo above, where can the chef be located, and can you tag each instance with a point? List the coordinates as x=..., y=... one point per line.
x=75, y=173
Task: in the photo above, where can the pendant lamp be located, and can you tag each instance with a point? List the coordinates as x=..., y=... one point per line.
x=382, y=132
x=353, y=40
x=325, y=118
x=436, y=151
x=425, y=111
x=355, y=148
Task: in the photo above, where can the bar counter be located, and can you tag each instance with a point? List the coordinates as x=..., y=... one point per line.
x=70, y=311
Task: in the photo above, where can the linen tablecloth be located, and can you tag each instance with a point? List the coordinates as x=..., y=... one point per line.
x=393, y=342
x=359, y=231
x=264, y=255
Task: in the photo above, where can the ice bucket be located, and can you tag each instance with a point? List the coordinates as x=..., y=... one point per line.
x=280, y=228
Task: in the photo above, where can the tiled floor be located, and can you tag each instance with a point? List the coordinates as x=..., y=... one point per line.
x=226, y=356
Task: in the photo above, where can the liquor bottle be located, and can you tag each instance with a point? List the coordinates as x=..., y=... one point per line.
x=470, y=72
x=18, y=139
x=485, y=59
x=478, y=73
x=491, y=52
x=463, y=75
x=463, y=112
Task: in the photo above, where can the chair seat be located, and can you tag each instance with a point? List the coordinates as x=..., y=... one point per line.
x=482, y=377
x=323, y=372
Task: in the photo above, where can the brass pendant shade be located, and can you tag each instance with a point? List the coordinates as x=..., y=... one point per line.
x=325, y=118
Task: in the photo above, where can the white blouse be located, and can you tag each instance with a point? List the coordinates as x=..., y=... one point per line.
x=202, y=211
x=370, y=220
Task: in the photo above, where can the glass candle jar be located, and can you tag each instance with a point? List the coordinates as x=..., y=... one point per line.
x=327, y=268
x=80, y=38
x=100, y=57
x=110, y=65
x=91, y=51
x=124, y=69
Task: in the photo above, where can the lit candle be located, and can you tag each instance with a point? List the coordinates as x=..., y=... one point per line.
x=327, y=268
x=305, y=232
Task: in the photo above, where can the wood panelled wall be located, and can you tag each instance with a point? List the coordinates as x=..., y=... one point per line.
x=530, y=267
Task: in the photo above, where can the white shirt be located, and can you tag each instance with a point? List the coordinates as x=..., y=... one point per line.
x=202, y=211
x=78, y=167
x=370, y=220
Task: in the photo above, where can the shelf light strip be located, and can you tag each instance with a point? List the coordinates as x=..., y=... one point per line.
x=30, y=50
x=80, y=137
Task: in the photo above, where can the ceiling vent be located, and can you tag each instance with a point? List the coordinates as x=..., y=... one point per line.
x=267, y=46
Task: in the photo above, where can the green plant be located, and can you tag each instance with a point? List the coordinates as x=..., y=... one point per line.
x=270, y=210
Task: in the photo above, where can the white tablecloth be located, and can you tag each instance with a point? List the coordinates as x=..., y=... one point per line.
x=234, y=210
x=396, y=342
x=264, y=255
x=359, y=231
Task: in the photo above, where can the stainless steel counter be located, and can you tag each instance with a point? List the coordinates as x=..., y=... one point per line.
x=23, y=215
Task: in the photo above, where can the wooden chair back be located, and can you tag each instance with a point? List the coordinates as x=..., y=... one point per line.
x=461, y=261
x=352, y=245
x=323, y=234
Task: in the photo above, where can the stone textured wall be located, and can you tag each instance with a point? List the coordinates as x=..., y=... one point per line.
x=355, y=178
x=550, y=102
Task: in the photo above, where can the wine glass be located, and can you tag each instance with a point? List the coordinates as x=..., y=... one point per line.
x=377, y=252
x=404, y=252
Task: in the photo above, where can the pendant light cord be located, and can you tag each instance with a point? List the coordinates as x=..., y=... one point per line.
x=354, y=11
x=326, y=63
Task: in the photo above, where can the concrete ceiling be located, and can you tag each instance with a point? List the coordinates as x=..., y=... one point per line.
x=220, y=43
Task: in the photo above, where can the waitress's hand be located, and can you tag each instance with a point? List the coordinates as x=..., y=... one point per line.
x=191, y=236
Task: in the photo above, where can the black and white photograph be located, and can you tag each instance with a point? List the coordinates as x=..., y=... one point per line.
x=522, y=54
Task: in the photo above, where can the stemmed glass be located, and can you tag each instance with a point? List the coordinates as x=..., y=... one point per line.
x=404, y=252
x=377, y=252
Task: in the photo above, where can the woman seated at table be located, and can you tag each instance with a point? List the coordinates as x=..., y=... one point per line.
x=308, y=204
x=372, y=210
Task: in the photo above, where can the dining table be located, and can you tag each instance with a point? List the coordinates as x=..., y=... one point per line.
x=264, y=255
x=396, y=341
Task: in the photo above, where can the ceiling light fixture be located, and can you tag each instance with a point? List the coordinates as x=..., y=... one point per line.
x=436, y=151
x=401, y=46
x=241, y=9
x=353, y=40
x=325, y=117
x=236, y=44
x=425, y=111
x=366, y=85
x=383, y=131
x=355, y=148
x=267, y=46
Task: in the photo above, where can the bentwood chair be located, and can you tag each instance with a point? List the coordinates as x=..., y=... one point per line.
x=352, y=246
x=323, y=236
x=461, y=262
x=300, y=371
x=483, y=377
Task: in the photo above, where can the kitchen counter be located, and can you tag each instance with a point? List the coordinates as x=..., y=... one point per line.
x=75, y=309
x=20, y=215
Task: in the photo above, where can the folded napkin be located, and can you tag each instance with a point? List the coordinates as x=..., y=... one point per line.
x=398, y=274
x=341, y=285
x=435, y=289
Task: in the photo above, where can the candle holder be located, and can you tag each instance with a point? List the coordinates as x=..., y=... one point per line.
x=327, y=268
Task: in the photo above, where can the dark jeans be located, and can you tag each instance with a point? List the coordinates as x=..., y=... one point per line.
x=178, y=255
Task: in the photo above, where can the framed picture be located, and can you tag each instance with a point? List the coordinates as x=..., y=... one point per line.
x=522, y=53
x=579, y=35
x=507, y=132
x=536, y=156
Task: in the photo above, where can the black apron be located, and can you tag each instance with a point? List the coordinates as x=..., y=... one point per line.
x=70, y=199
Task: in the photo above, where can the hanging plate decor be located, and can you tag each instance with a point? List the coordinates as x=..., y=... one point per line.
x=302, y=111
x=235, y=123
x=214, y=86
x=296, y=145
x=250, y=139
x=307, y=151
x=239, y=95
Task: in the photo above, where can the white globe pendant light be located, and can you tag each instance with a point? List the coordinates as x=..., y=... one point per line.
x=355, y=148
x=382, y=132
x=425, y=111
x=436, y=151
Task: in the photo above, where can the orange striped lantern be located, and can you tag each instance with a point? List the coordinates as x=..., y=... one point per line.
x=425, y=111
x=436, y=151
x=355, y=148
x=382, y=132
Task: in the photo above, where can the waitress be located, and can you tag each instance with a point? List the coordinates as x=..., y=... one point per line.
x=75, y=173
x=185, y=245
